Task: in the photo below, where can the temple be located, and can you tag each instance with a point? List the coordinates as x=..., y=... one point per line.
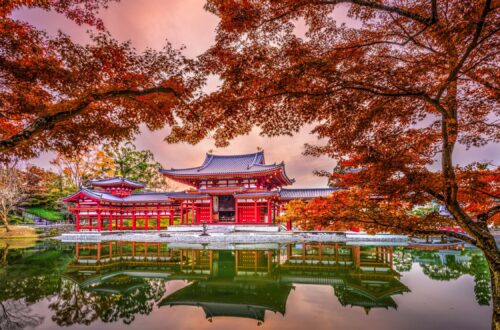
x=235, y=189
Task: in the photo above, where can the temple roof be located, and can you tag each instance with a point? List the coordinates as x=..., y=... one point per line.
x=216, y=165
x=306, y=193
x=117, y=182
x=134, y=198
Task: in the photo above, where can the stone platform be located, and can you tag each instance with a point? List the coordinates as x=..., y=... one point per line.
x=248, y=235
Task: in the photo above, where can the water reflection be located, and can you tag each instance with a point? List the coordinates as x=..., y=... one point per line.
x=118, y=281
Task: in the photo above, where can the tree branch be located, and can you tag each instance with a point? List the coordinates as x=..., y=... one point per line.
x=46, y=122
x=391, y=9
x=489, y=214
x=427, y=21
x=475, y=41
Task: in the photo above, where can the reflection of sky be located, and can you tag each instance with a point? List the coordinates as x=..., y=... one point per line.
x=149, y=24
x=429, y=305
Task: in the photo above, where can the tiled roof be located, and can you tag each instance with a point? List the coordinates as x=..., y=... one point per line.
x=134, y=198
x=306, y=193
x=257, y=194
x=184, y=195
x=116, y=181
x=148, y=197
x=217, y=164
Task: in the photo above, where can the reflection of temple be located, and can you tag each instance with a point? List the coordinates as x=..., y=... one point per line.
x=241, y=283
x=361, y=276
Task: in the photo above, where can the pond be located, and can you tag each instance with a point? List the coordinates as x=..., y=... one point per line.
x=137, y=285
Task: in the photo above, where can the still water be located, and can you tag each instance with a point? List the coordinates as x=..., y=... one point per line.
x=50, y=285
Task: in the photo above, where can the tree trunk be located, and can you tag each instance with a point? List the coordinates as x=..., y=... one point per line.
x=5, y=221
x=477, y=229
x=495, y=288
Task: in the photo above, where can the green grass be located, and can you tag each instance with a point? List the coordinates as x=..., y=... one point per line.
x=51, y=215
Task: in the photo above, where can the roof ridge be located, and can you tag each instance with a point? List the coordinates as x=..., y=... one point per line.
x=254, y=160
x=309, y=188
x=240, y=155
x=155, y=193
x=207, y=162
x=120, y=178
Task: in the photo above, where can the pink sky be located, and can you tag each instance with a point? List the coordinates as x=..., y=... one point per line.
x=148, y=24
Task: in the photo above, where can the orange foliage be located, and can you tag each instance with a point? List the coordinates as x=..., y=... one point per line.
x=62, y=96
x=356, y=208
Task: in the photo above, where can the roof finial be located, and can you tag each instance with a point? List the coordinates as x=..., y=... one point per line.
x=259, y=148
x=211, y=151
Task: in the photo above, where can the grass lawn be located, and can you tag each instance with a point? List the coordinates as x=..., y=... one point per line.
x=51, y=215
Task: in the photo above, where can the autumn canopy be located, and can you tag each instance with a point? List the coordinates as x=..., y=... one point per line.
x=391, y=95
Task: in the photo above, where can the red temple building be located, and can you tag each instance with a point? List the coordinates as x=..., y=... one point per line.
x=236, y=189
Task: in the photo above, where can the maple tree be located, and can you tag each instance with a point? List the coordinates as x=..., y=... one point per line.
x=79, y=166
x=393, y=92
x=60, y=95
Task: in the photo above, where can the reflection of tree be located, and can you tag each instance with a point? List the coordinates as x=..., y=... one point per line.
x=403, y=259
x=75, y=305
x=439, y=271
x=479, y=269
x=138, y=301
x=452, y=266
x=32, y=277
x=72, y=305
x=4, y=252
x=16, y=314
x=25, y=278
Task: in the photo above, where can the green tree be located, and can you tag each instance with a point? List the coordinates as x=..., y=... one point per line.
x=137, y=165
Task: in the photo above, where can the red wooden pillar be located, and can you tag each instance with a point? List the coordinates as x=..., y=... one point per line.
x=121, y=221
x=182, y=213
x=255, y=209
x=289, y=225
x=193, y=221
x=236, y=220
x=99, y=221
x=146, y=220
x=133, y=221
x=211, y=214
x=110, y=222
x=269, y=210
x=171, y=216
x=158, y=219
x=77, y=221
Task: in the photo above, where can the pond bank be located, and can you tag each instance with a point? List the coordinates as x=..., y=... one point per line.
x=17, y=232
